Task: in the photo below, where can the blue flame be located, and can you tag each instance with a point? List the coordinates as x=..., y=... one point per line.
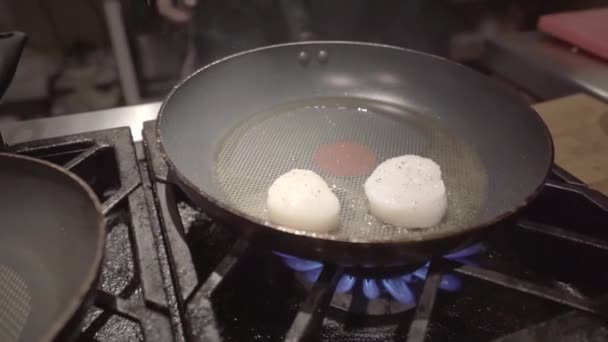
x=345, y=284
x=302, y=265
x=370, y=289
x=466, y=252
x=313, y=275
x=450, y=283
x=408, y=277
x=399, y=288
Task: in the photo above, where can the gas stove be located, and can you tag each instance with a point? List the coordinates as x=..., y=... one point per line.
x=171, y=273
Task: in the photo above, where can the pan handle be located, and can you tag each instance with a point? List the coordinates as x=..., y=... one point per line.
x=11, y=45
x=594, y=196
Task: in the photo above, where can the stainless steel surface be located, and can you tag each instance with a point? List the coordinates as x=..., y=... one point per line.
x=546, y=67
x=131, y=116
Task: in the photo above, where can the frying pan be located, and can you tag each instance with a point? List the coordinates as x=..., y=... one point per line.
x=51, y=245
x=51, y=238
x=232, y=127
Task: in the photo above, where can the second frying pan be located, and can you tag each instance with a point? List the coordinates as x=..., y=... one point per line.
x=234, y=126
x=51, y=245
x=51, y=238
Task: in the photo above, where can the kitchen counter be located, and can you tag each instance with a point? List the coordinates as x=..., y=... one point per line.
x=131, y=116
x=545, y=67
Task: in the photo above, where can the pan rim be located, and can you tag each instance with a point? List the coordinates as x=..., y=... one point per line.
x=86, y=287
x=431, y=235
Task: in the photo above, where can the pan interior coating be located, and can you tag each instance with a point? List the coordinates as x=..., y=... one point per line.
x=271, y=143
x=15, y=304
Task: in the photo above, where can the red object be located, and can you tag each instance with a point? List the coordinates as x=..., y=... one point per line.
x=345, y=159
x=586, y=29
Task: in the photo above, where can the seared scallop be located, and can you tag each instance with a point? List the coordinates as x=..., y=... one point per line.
x=301, y=199
x=407, y=192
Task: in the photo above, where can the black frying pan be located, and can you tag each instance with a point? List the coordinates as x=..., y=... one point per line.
x=51, y=245
x=51, y=238
x=234, y=126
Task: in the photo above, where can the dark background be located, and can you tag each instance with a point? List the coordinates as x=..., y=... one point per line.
x=70, y=63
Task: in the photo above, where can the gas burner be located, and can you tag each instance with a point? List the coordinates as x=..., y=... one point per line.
x=380, y=295
x=232, y=290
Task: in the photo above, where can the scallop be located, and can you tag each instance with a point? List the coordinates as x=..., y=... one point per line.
x=407, y=192
x=301, y=199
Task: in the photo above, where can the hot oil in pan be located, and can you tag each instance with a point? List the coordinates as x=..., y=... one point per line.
x=271, y=143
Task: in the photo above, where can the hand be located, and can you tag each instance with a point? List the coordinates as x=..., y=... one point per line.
x=176, y=13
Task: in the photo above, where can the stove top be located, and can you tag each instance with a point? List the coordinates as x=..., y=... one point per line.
x=171, y=273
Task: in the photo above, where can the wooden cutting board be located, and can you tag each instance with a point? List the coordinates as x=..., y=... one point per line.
x=579, y=126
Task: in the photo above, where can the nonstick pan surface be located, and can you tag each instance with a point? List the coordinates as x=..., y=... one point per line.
x=51, y=245
x=233, y=127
